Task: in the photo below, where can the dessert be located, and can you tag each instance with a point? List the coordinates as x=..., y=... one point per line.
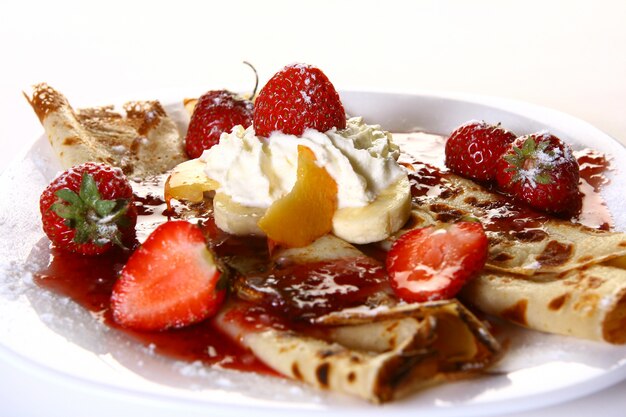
x=474, y=149
x=541, y=272
x=541, y=171
x=216, y=111
x=250, y=174
x=433, y=263
x=88, y=209
x=143, y=142
x=307, y=303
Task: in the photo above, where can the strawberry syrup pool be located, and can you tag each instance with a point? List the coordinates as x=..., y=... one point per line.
x=88, y=281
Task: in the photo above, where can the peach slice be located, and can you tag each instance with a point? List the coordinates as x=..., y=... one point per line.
x=188, y=182
x=306, y=212
x=190, y=104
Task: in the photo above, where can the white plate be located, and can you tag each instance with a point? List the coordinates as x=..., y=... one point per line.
x=54, y=337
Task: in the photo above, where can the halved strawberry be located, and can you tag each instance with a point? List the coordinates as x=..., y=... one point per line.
x=172, y=280
x=433, y=263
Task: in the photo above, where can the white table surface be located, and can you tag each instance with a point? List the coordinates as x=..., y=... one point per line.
x=567, y=55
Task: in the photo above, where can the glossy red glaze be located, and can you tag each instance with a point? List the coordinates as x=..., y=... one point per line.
x=88, y=280
x=505, y=214
x=424, y=178
x=593, y=165
x=301, y=292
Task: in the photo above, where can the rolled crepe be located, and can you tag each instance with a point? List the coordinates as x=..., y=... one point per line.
x=588, y=303
x=378, y=356
x=144, y=142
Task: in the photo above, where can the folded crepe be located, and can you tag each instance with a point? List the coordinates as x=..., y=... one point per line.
x=521, y=241
x=143, y=142
x=588, y=303
x=396, y=351
x=542, y=272
x=376, y=349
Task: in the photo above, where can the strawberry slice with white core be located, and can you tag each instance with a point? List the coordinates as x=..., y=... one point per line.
x=172, y=280
x=433, y=263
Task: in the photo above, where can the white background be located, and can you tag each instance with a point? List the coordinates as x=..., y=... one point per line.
x=567, y=55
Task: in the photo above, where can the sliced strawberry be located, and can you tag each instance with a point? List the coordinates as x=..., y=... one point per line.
x=296, y=98
x=172, y=280
x=433, y=263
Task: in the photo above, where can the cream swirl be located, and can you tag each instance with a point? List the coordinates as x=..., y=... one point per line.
x=256, y=171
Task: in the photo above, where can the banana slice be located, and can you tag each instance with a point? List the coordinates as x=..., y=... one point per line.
x=371, y=223
x=359, y=225
x=188, y=182
x=235, y=218
x=377, y=220
x=190, y=105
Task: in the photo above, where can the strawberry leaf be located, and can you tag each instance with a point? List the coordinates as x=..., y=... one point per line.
x=543, y=178
x=89, y=190
x=83, y=232
x=94, y=220
x=514, y=160
x=542, y=147
x=69, y=196
x=64, y=211
x=104, y=207
x=529, y=147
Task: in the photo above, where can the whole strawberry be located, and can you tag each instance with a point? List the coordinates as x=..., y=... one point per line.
x=540, y=170
x=216, y=112
x=296, y=98
x=88, y=209
x=474, y=149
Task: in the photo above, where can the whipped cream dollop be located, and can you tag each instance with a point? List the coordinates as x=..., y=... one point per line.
x=256, y=171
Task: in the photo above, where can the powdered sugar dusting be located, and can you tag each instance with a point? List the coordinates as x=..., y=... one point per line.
x=305, y=96
x=528, y=175
x=543, y=158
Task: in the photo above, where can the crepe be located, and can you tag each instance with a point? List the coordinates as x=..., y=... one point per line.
x=394, y=352
x=374, y=347
x=521, y=241
x=143, y=142
x=542, y=272
x=589, y=303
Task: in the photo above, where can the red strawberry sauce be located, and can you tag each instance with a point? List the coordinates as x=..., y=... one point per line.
x=89, y=280
x=428, y=177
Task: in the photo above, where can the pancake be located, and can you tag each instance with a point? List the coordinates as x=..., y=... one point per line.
x=142, y=142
